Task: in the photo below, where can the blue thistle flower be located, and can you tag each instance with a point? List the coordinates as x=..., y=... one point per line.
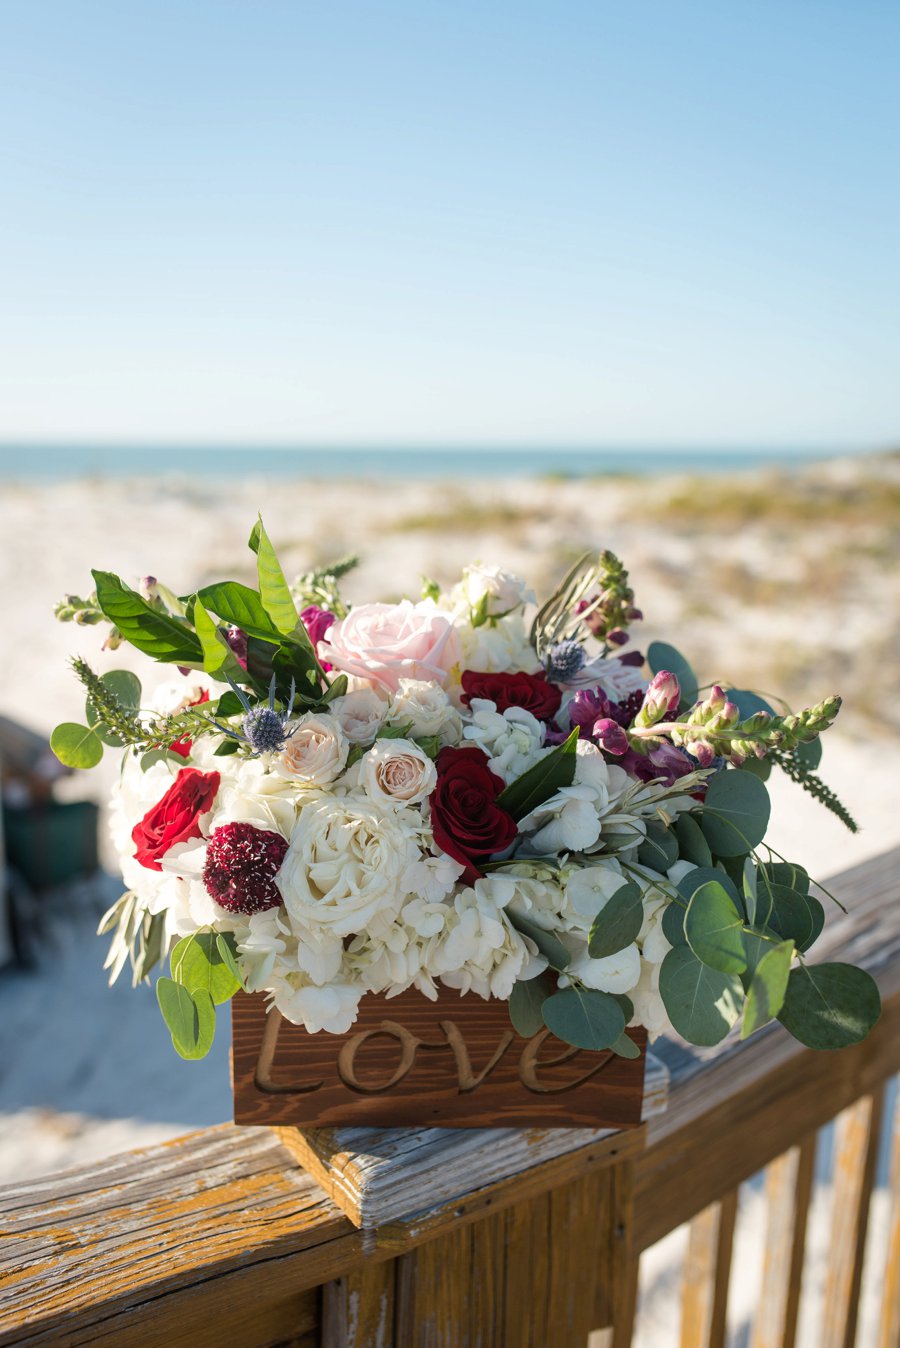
x=564, y=660
x=264, y=730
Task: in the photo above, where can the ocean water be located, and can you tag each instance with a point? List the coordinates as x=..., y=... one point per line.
x=53, y=462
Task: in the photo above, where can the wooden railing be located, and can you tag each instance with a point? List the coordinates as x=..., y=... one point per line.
x=220, y=1240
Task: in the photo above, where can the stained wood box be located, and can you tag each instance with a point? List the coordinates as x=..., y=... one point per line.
x=411, y=1063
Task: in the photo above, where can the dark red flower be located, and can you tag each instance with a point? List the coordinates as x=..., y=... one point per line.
x=175, y=818
x=241, y=864
x=183, y=746
x=531, y=691
x=466, y=820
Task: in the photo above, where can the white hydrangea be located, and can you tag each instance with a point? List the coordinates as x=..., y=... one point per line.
x=513, y=739
x=481, y=951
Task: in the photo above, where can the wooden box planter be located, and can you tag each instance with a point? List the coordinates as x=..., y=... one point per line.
x=411, y=1063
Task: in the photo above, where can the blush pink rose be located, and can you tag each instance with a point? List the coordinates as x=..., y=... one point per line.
x=385, y=643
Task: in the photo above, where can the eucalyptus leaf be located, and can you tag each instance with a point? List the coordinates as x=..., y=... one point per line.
x=525, y=1002
x=541, y=781
x=768, y=986
x=691, y=882
x=735, y=813
x=550, y=946
x=197, y=963
x=793, y=916
x=673, y=924
x=584, y=1017
x=126, y=688
x=702, y=1003
x=76, y=746
x=830, y=1006
x=784, y=873
x=661, y=656
x=747, y=702
x=810, y=755
x=155, y=633
x=757, y=767
x=190, y=1016
x=714, y=929
x=692, y=846
x=618, y=923
x=625, y=1047
x=227, y=948
x=659, y=850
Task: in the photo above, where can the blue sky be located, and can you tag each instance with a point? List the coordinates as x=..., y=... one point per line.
x=596, y=223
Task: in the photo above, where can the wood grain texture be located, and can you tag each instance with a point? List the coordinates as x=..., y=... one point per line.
x=856, y=1153
x=789, y=1183
x=889, y=1326
x=358, y=1310
x=408, y=1062
x=707, y=1273
x=169, y=1245
x=380, y=1175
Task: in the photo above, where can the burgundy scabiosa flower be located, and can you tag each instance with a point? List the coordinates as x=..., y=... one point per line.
x=241, y=864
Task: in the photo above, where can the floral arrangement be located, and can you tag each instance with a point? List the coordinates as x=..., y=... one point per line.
x=465, y=791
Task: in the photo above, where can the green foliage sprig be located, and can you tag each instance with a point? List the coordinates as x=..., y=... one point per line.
x=321, y=586
x=813, y=784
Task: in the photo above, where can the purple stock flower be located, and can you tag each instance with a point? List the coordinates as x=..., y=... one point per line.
x=587, y=707
x=663, y=761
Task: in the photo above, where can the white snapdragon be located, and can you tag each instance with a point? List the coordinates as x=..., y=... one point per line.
x=513, y=740
x=360, y=714
x=482, y=952
x=397, y=772
x=316, y=752
x=426, y=710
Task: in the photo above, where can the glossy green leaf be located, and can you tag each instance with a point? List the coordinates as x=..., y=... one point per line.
x=216, y=654
x=714, y=929
x=584, y=1017
x=618, y=922
x=768, y=986
x=541, y=781
x=735, y=813
x=197, y=963
x=830, y=1006
x=76, y=746
x=276, y=597
x=525, y=1002
x=659, y=850
x=661, y=656
x=241, y=607
x=702, y=1003
x=190, y=1016
x=155, y=633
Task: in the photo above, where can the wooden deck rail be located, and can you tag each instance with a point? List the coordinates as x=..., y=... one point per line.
x=221, y=1240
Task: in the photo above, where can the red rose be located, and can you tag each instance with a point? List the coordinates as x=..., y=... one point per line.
x=466, y=820
x=175, y=818
x=531, y=691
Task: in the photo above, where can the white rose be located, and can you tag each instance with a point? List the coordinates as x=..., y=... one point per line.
x=490, y=592
x=426, y=709
x=346, y=870
x=360, y=714
x=513, y=740
x=397, y=772
x=316, y=752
